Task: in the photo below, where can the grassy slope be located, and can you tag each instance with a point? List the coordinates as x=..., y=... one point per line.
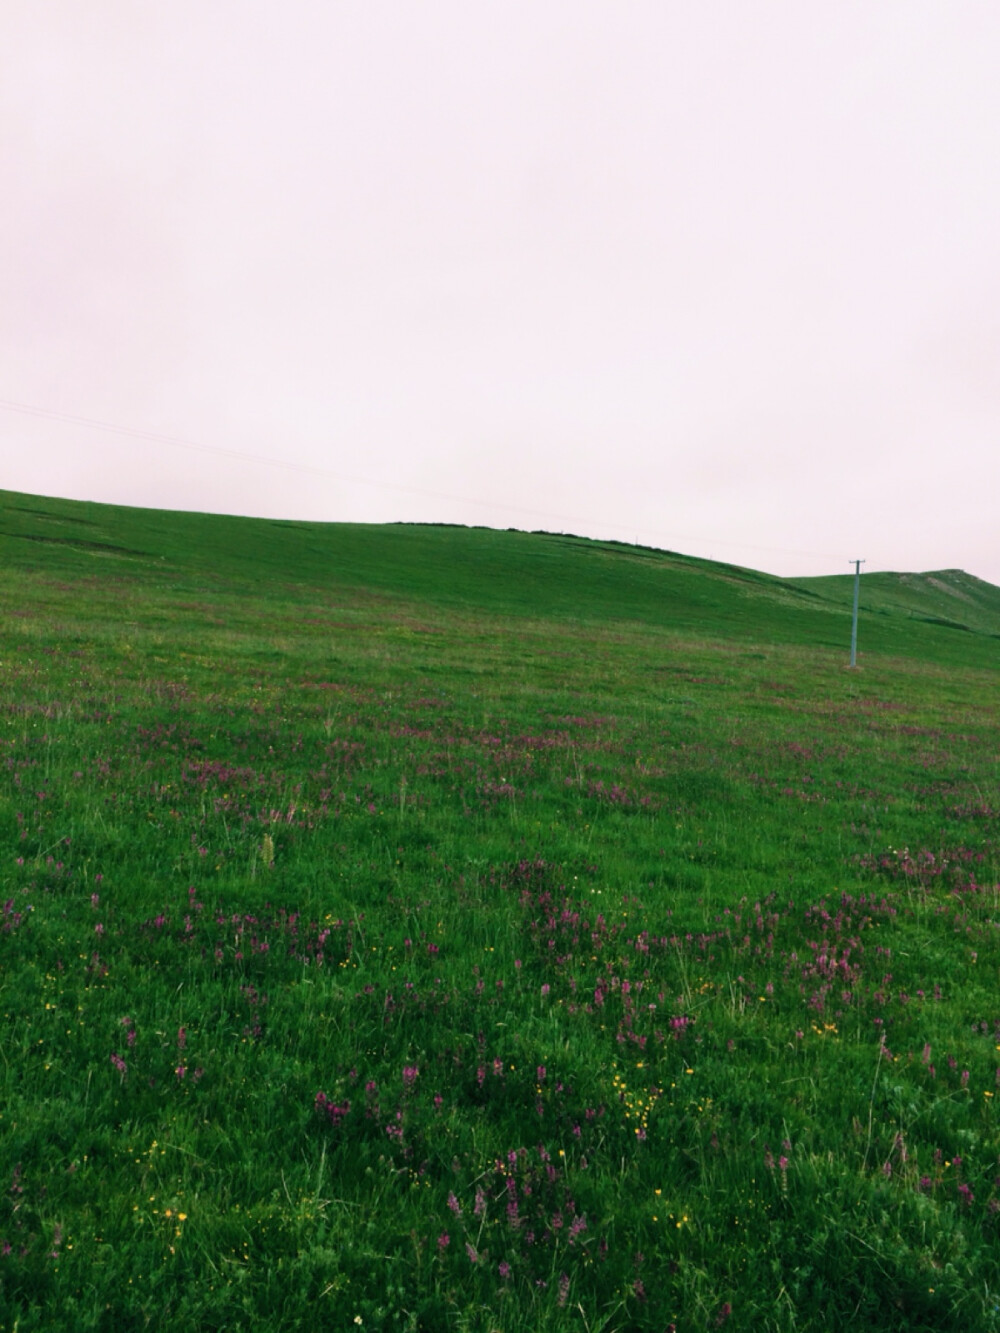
x=947, y=597
x=507, y=573
x=460, y=746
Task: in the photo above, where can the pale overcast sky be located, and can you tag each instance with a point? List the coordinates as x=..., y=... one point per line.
x=718, y=277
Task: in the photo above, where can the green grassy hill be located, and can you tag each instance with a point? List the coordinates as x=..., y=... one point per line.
x=430, y=930
x=508, y=573
x=945, y=597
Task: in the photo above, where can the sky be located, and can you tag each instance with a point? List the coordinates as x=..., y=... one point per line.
x=718, y=277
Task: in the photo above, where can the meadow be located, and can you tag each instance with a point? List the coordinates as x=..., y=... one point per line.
x=441, y=929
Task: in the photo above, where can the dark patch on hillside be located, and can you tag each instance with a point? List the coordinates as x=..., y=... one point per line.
x=53, y=518
x=78, y=543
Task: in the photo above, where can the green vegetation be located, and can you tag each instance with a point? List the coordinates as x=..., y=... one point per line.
x=431, y=928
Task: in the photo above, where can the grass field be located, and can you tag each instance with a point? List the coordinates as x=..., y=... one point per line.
x=439, y=928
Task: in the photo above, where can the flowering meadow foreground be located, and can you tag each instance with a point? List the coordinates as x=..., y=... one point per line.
x=373, y=962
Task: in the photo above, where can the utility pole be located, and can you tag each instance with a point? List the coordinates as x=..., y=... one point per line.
x=854, y=623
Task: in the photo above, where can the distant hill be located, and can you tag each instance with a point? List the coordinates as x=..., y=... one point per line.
x=947, y=597
x=940, y=616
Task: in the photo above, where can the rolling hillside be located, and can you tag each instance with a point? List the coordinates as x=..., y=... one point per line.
x=427, y=929
x=507, y=573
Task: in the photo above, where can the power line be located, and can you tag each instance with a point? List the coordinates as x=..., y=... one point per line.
x=156, y=437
